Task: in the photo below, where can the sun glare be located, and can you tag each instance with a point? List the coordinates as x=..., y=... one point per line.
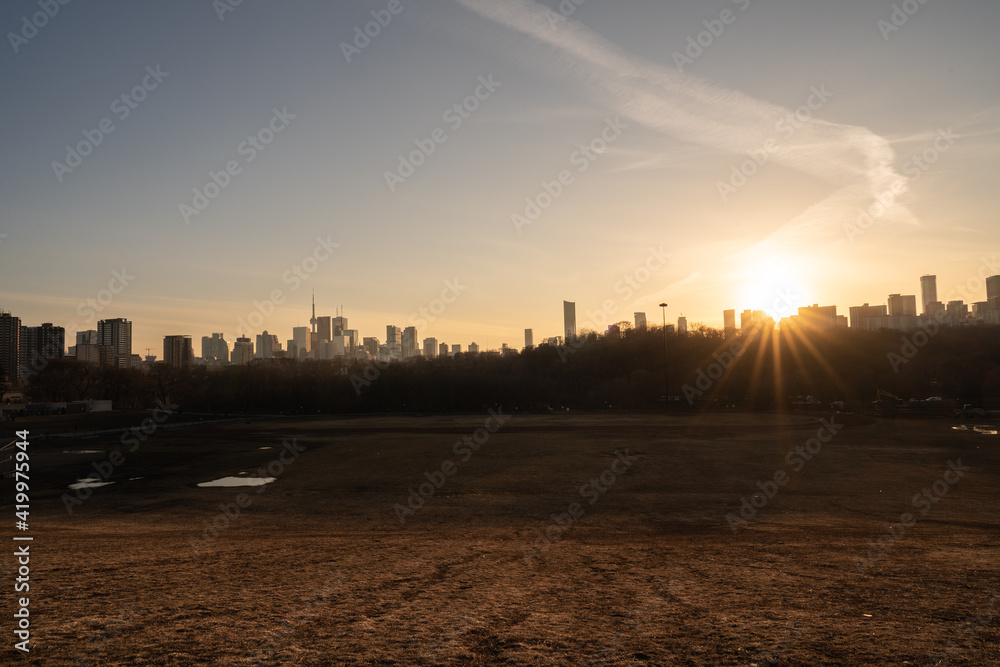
x=774, y=285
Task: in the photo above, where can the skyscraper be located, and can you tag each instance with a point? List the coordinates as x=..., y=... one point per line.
x=214, y=349
x=303, y=340
x=324, y=330
x=903, y=305
x=430, y=347
x=682, y=325
x=569, y=319
x=529, y=339
x=640, y=321
x=117, y=334
x=928, y=291
x=177, y=351
x=267, y=345
x=729, y=322
x=993, y=293
x=243, y=351
x=411, y=344
x=39, y=344
x=10, y=346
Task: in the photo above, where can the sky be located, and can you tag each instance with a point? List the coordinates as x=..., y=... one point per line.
x=467, y=165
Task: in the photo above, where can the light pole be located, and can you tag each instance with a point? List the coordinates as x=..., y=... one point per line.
x=666, y=383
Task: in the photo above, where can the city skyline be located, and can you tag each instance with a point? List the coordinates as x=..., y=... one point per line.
x=555, y=166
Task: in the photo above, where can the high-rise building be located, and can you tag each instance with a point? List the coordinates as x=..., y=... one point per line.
x=371, y=346
x=456, y=349
x=902, y=305
x=430, y=347
x=928, y=291
x=117, y=333
x=443, y=350
x=411, y=344
x=339, y=325
x=682, y=325
x=215, y=348
x=993, y=293
x=10, y=347
x=958, y=311
x=529, y=339
x=860, y=315
x=569, y=319
x=640, y=321
x=729, y=322
x=243, y=351
x=267, y=346
x=88, y=337
x=303, y=340
x=818, y=317
x=177, y=351
x=39, y=344
x=324, y=330
x=473, y=348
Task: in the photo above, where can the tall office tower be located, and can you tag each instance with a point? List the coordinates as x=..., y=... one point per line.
x=394, y=341
x=859, y=315
x=473, y=348
x=443, y=350
x=529, y=339
x=682, y=325
x=928, y=291
x=10, y=346
x=936, y=309
x=267, y=345
x=456, y=349
x=215, y=348
x=39, y=344
x=324, y=329
x=371, y=346
x=430, y=347
x=569, y=319
x=902, y=305
x=818, y=317
x=117, y=333
x=411, y=344
x=303, y=340
x=729, y=322
x=640, y=321
x=243, y=351
x=339, y=325
x=291, y=349
x=993, y=293
x=177, y=351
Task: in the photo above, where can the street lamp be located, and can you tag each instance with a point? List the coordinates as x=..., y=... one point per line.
x=666, y=383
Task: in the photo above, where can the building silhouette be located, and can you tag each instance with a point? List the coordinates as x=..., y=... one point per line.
x=10, y=347
x=215, y=348
x=529, y=339
x=430, y=347
x=39, y=344
x=901, y=305
x=243, y=351
x=116, y=334
x=640, y=321
x=928, y=292
x=569, y=320
x=729, y=322
x=410, y=344
x=177, y=351
x=993, y=293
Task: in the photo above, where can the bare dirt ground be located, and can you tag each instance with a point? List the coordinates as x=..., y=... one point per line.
x=318, y=569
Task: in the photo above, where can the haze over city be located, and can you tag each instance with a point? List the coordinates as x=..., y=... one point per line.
x=628, y=125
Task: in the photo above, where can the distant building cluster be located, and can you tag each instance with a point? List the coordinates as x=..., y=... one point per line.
x=899, y=313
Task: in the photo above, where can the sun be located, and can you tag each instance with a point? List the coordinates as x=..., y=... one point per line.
x=775, y=285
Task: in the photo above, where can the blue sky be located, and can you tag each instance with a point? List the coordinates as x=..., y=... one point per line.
x=662, y=183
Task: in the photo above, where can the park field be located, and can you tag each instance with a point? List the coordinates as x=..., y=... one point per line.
x=494, y=539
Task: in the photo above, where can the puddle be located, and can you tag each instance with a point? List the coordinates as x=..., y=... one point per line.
x=985, y=430
x=239, y=481
x=88, y=483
